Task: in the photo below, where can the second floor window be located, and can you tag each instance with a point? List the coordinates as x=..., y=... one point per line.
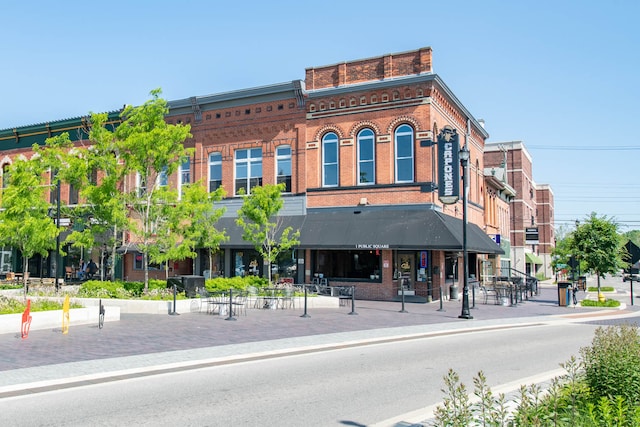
x=6, y=177
x=330, y=160
x=403, y=138
x=163, y=178
x=283, y=165
x=215, y=171
x=248, y=165
x=74, y=195
x=141, y=185
x=366, y=157
x=185, y=173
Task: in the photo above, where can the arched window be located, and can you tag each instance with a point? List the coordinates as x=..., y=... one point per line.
x=403, y=138
x=283, y=166
x=330, y=160
x=366, y=157
x=215, y=171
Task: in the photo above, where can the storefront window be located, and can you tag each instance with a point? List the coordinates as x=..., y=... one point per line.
x=363, y=265
x=247, y=262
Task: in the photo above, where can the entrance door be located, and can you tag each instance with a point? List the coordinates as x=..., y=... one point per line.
x=406, y=261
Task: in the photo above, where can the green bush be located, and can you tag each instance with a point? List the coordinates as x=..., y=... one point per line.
x=606, y=303
x=241, y=283
x=602, y=389
x=602, y=289
x=14, y=305
x=612, y=363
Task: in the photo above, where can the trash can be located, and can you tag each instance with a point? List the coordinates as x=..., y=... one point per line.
x=453, y=292
x=564, y=297
x=188, y=284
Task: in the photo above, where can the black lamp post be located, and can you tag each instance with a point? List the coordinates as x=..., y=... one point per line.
x=57, y=258
x=464, y=161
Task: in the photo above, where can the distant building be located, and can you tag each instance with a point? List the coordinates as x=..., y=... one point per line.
x=531, y=218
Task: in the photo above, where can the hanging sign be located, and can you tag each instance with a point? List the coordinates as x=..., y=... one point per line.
x=448, y=166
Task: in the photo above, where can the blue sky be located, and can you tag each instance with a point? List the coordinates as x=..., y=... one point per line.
x=557, y=75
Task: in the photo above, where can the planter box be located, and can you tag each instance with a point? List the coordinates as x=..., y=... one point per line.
x=53, y=319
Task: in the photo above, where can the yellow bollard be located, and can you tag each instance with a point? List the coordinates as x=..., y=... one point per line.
x=65, y=315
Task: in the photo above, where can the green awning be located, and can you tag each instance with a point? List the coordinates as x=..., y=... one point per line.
x=533, y=259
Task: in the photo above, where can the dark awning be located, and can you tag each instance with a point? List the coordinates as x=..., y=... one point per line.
x=366, y=228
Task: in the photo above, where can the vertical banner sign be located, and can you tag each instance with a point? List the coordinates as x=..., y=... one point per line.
x=448, y=166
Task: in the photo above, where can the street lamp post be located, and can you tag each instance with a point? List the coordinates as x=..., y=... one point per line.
x=57, y=266
x=464, y=161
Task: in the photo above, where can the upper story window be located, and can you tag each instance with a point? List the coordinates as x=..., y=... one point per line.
x=185, y=173
x=53, y=189
x=403, y=138
x=163, y=178
x=330, y=160
x=141, y=185
x=215, y=171
x=283, y=166
x=74, y=194
x=248, y=165
x=366, y=157
x=6, y=176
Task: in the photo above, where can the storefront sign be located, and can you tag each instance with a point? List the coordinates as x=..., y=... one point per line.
x=531, y=236
x=372, y=246
x=448, y=166
x=424, y=259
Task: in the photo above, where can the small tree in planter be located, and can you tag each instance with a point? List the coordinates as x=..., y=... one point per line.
x=261, y=225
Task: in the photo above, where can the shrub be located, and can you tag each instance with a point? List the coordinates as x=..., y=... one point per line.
x=606, y=303
x=10, y=305
x=611, y=363
x=602, y=289
x=602, y=389
x=240, y=283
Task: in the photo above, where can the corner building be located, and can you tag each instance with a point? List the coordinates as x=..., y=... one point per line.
x=354, y=145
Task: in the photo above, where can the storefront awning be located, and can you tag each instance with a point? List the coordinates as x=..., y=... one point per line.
x=366, y=228
x=533, y=259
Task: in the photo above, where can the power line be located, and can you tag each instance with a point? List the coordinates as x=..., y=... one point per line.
x=583, y=148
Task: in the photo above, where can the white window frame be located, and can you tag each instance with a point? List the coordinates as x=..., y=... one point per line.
x=284, y=158
x=329, y=139
x=401, y=131
x=215, y=163
x=253, y=164
x=366, y=136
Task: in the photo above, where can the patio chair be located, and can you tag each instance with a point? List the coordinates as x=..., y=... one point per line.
x=239, y=303
x=286, y=300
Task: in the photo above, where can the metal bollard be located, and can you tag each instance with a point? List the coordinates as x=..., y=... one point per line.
x=173, y=313
x=402, y=292
x=353, y=300
x=440, y=292
x=230, y=306
x=305, y=303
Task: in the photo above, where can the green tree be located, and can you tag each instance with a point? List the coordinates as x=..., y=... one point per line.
x=150, y=149
x=261, y=225
x=599, y=246
x=103, y=212
x=24, y=220
x=198, y=219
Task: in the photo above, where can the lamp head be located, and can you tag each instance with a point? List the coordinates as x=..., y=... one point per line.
x=464, y=154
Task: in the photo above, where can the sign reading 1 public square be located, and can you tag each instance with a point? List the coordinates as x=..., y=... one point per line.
x=448, y=166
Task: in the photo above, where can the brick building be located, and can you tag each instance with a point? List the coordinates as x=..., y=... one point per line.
x=354, y=144
x=531, y=218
